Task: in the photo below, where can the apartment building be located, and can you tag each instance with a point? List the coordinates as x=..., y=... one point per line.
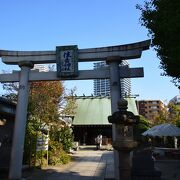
x=149, y=108
x=102, y=86
x=175, y=100
x=41, y=68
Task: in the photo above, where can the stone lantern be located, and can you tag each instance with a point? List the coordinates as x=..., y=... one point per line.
x=123, y=141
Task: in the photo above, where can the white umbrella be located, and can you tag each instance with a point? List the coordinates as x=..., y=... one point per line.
x=163, y=130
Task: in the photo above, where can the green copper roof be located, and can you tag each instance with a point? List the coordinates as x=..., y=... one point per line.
x=95, y=110
x=132, y=106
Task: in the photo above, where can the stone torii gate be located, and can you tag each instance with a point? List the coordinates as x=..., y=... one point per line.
x=67, y=58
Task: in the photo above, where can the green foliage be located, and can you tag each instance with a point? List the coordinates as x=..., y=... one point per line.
x=178, y=123
x=45, y=101
x=59, y=144
x=141, y=127
x=32, y=129
x=66, y=138
x=56, y=154
x=70, y=103
x=174, y=113
x=40, y=158
x=62, y=135
x=161, y=118
x=171, y=115
x=161, y=18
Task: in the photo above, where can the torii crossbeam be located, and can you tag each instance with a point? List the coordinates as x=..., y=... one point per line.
x=123, y=52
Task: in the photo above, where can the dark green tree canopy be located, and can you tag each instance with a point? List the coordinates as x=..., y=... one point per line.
x=162, y=19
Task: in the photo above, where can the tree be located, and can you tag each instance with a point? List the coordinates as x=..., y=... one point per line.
x=44, y=100
x=11, y=91
x=70, y=103
x=174, y=113
x=141, y=127
x=170, y=114
x=161, y=18
x=46, y=103
x=161, y=117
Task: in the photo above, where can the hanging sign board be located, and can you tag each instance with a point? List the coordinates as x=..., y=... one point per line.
x=67, y=61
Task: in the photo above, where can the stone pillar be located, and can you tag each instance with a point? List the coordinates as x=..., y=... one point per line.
x=115, y=88
x=20, y=122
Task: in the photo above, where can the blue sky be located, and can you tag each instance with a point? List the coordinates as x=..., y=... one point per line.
x=45, y=24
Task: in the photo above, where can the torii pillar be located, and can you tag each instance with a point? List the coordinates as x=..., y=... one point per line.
x=20, y=122
x=115, y=89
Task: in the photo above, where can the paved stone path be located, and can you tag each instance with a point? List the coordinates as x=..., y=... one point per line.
x=90, y=164
x=87, y=165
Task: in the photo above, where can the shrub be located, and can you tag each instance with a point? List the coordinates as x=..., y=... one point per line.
x=56, y=154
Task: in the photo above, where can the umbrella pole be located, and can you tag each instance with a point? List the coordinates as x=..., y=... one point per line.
x=175, y=142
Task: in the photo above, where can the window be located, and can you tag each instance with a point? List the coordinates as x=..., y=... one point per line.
x=154, y=102
x=153, y=107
